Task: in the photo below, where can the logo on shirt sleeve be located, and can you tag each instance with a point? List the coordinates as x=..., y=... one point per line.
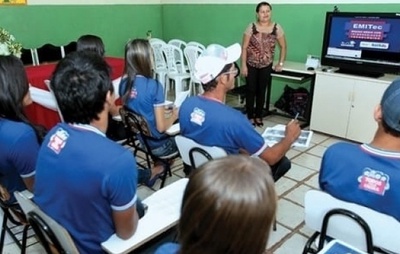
x=133, y=93
x=374, y=181
x=58, y=140
x=197, y=116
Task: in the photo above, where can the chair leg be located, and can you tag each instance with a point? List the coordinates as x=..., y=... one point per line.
x=24, y=239
x=164, y=176
x=3, y=232
x=307, y=248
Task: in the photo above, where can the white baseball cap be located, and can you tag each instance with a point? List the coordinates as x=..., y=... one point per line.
x=213, y=59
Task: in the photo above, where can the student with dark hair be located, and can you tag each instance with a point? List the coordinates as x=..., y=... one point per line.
x=85, y=181
x=208, y=121
x=19, y=140
x=228, y=206
x=90, y=42
x=258, y=49
x=369, y=174
x=144, y=95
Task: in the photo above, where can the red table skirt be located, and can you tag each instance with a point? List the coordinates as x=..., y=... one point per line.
x=38, y=114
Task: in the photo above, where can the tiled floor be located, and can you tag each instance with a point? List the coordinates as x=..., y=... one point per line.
x=291, y=233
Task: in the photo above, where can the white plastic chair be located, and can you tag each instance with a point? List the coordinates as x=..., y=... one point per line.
x=176, y=70
x=384, y=228
x=194, y=154
x=178, y=43
x=192, y=53
x=196, y=44
x=160, y=64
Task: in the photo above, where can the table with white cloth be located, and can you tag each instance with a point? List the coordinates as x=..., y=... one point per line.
x=43, y=110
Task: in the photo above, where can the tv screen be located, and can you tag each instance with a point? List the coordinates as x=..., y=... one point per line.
x=362, y=43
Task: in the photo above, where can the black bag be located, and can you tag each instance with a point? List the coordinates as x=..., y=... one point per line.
x=293, y=101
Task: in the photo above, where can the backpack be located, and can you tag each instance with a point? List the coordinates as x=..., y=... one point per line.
x=293, y=101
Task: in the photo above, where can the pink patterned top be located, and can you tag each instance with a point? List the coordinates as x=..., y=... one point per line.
x=261, y=48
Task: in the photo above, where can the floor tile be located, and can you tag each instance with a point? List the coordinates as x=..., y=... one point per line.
x=297, y=195
x=294, y=244
x=306, y=231
x=332, y=140
x=317, y=150
x=292, y=153
x=319, y=137
x=298, y=172
x=144, y=191
x=278, y=235
x=313, y=181
x=308, y=161
x=289, y=214
x=283, y=185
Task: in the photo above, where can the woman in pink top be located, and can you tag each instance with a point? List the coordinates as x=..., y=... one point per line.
x=258, y=50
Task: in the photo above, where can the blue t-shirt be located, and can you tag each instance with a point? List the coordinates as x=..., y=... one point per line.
x=212, y=123
x=363, y=175
x=145, y=95
x=18, y=153
x=168, y=248
x=81, y=178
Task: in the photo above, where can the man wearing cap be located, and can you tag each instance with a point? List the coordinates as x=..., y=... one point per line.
x=369, y=174
x=208, y=121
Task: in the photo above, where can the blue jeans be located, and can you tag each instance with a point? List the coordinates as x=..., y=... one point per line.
x=167, y=148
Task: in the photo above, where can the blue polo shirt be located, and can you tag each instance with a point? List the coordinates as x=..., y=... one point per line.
x=363, y=175
x=82, y=177
x=145, y=95
x=210, y=122
x=18, y=152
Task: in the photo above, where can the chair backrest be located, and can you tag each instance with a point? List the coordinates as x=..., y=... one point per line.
x=178, y=43
x=192, y=53
x=47, y=83
x=50, y=233
x=196, y=44
x=194, y=154
x=174, y=58
x=48, y=53
x=159, y=60
x=384, y=228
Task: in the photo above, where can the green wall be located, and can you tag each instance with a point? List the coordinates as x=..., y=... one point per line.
x=224, y=24
x=34, y=26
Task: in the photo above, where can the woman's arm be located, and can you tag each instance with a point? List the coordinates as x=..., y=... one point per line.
x=282, y=53
x=245, y=44
x=162, y=122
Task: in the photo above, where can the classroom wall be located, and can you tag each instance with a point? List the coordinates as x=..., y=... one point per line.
x=35, y=25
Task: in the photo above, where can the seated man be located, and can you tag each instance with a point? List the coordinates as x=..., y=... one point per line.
x=208, y=121
x=85, y=181
x=368, y=174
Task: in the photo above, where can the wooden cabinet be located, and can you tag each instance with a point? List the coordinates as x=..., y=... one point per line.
x=343, y=105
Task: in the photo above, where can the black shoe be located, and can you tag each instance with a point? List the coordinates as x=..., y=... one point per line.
x=258, y=122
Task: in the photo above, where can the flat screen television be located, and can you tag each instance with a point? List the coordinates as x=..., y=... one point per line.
x=362, y=43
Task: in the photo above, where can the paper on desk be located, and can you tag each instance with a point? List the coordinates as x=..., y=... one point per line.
x=273, y=135
x=180, y=98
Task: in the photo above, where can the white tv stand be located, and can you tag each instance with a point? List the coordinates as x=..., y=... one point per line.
x=343, y=105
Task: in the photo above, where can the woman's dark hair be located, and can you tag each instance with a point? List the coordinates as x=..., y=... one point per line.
x=90, y=43
x=263, y=4
x=138, y=61
x=13, y=89
x=228, y=206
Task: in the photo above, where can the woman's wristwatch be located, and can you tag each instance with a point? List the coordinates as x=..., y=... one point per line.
x=280, y=63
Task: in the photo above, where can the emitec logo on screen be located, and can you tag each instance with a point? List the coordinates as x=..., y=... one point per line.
x=373, y=32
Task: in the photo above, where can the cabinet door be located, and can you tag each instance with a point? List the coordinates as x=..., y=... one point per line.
x=331, y=104
x=367, y=95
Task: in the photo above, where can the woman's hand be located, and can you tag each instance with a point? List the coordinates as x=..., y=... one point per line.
x=244, y=70
x=278, y=67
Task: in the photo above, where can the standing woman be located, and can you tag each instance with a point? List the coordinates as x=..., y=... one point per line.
x=258, y=50
x=19, y=139
x=145, y=96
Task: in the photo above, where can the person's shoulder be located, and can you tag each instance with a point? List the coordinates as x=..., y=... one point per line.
x=14, y=129
x=168, y=248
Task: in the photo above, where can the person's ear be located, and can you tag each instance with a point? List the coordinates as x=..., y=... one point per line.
x=378, y=113
x=110, y=98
